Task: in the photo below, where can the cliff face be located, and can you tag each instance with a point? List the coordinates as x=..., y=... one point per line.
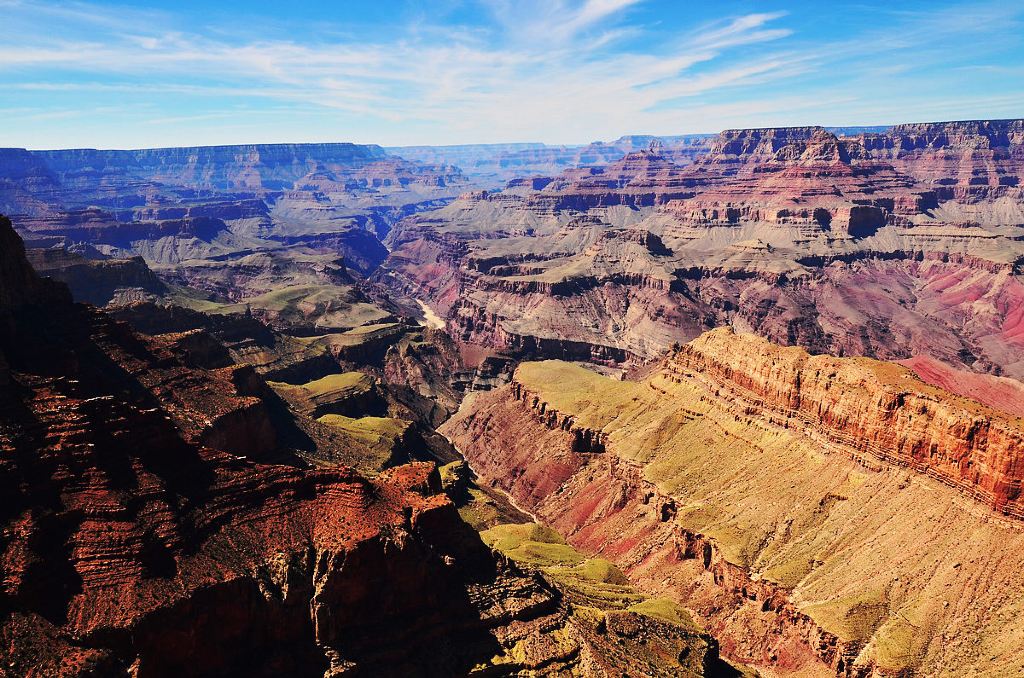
x=19, y=284
x=817, y=514
x=205, y=167
x=972, y=161
x=256, y=169
x=876, y=409
x=885, y=244
x=98, y=281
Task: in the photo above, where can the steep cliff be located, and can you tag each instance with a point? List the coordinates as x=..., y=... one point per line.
x=886, y=244
x=970, y=161
x=818, y=515
x=19, y=283
x=873, y=409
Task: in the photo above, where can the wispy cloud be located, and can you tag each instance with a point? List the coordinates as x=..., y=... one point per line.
x=531, y=69
x=542, y=49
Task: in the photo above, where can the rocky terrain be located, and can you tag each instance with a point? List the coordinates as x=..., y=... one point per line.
x=886, y=244
x=819, y=515
x=492, y=165
x=197, y=213
x=331, y=409
x=157, y=522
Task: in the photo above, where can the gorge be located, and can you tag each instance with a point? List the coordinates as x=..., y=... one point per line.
x=735, y=404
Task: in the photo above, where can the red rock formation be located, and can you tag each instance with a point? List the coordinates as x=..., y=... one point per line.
x=836, y=244
x=874, y=409
x=759, y=486
x=802, y=176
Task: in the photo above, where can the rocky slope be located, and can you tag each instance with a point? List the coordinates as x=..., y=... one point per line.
x=1001, y=393
x=98, y=280
x=886, y=244
x=821, y=516
x=152, y=527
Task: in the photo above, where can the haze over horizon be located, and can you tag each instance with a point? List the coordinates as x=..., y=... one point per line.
x=151, y=74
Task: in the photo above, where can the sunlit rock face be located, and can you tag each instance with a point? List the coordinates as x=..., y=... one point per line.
x=886, y=244
x=820, y=515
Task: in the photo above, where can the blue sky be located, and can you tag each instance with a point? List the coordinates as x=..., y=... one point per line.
x=105, y=75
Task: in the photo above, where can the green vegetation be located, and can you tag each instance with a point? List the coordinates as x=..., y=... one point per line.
x=333, y=394
x=346, y=383
x=532, y=544
x=592, y=584
x=666, y=610
x=595, y=400
x=853, y=617
x=371, y=430
x=334, y=307
x=375, y=442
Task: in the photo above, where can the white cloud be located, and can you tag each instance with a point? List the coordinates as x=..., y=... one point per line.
x=545, y=50
x=553, y=70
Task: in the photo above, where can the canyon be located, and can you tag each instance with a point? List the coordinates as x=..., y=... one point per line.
x=735, y=404
x=158, y=522
x=820, y=515
x=886, y=244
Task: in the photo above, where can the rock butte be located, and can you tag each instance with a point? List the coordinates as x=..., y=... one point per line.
x=818, y=514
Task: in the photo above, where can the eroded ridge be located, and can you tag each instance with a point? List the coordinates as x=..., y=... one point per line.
x=870, y=409
x=792, y=502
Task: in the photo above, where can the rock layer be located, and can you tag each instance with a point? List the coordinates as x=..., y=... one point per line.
x=819, y=515
x=872, y=409
x=885, y=244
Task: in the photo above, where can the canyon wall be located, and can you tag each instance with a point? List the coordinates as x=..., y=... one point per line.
x=887, y=244
x=873, y=410
x=819, y=515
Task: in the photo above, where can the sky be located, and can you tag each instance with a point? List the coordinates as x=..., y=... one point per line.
x=184, y=72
